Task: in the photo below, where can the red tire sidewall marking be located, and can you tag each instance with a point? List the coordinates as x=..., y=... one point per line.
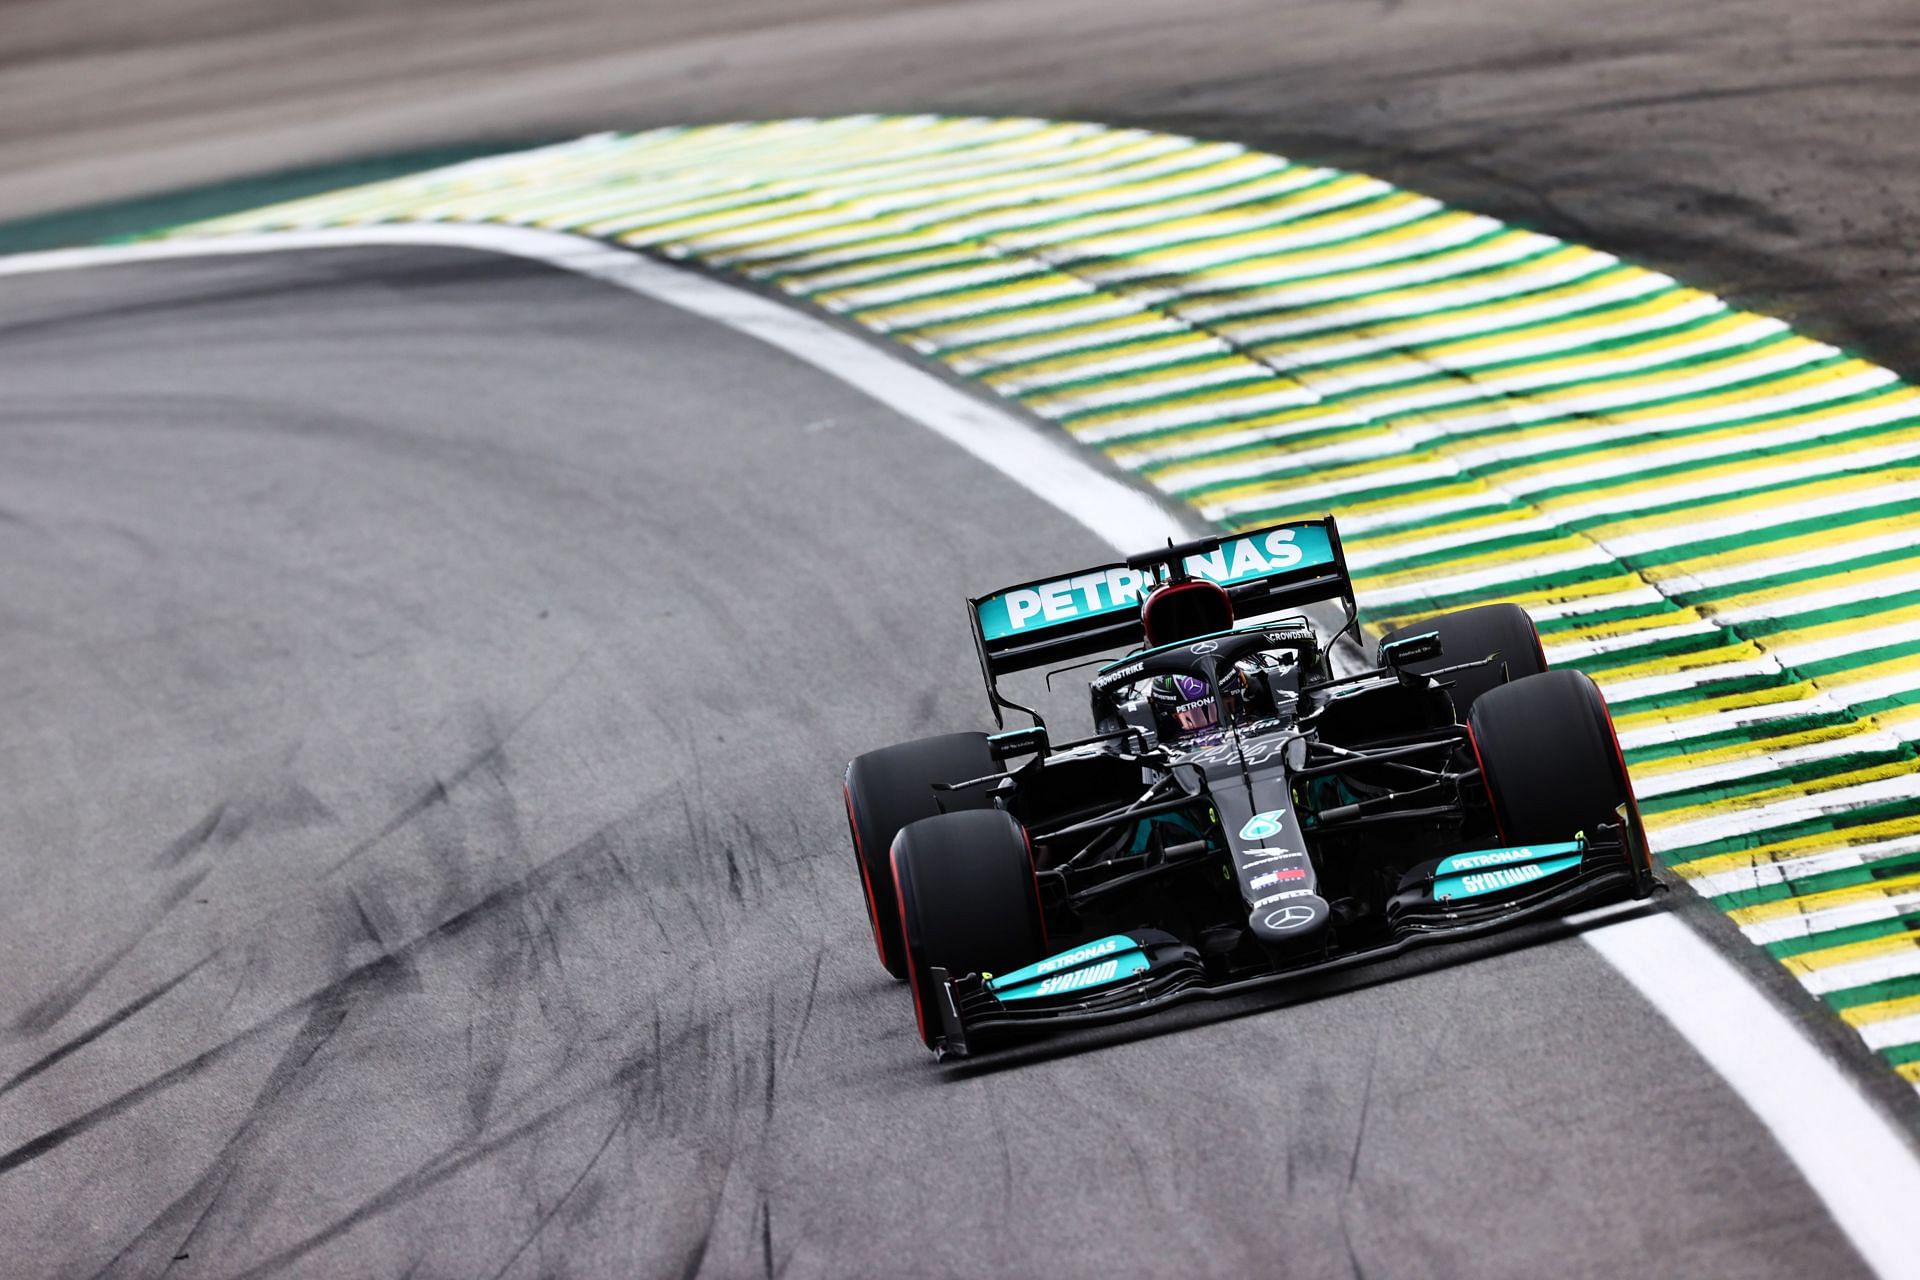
x=866, y=880
x=1493, y=801
x=906, y=943
x=1626, y=779
x=1033, y=871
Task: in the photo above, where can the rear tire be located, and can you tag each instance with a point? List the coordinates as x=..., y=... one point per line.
x=1550, y=759
x=886, y=790
x=968, y=902
x=1471, y=634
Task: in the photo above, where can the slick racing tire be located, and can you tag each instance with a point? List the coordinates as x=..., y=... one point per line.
x=1550, y=759
x=1471, y=634
x=886, y=790
x=968, y=902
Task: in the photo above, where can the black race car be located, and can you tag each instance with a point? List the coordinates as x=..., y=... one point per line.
x=1241, y=814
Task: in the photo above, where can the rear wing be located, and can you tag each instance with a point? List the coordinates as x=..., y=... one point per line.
x=1097, y=610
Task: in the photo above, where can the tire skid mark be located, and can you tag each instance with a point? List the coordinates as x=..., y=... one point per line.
x=429, y=1175
x=766, y=1237
x=364, y=917
x=770, y=1055
x=58, y=1004
x=680, y=1070
x=84, y=1038
x=195, y=836
x=437, y=792
x=283, y=804
x=384, y=968
x=274, y=802
x=323, y=1020
x=489, y=1034
x=525, y=939
x=799, y=1037
x=40, y=1016
x=664, y=1086
x=377, y=972
x=621, y=1121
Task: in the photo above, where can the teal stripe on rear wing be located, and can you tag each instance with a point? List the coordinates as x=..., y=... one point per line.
x=1097, y=610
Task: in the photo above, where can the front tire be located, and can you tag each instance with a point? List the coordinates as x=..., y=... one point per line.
x=968, y=902
x=1550, y=759
x=886, y=790
x=1468, y=635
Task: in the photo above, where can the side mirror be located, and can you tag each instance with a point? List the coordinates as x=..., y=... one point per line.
x=1018, y=742
x=1397, y=653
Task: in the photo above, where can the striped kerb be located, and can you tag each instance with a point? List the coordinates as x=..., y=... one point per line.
x=1707, y=512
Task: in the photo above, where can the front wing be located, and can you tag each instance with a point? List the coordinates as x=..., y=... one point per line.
x=1614, y=866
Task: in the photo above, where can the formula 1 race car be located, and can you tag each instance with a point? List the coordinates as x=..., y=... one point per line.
x=1241, y=814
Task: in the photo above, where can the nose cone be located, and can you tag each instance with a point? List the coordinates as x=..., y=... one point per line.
x=1288, y=917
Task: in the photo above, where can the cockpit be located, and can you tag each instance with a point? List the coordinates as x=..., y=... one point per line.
x=1187, y=693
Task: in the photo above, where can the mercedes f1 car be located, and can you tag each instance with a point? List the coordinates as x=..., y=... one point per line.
x=1241, y=815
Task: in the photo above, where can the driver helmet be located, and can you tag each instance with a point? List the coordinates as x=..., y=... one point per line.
x=1182, y=705
x=1184, y=610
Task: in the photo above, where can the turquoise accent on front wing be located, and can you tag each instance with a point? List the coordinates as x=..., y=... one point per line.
x=1475, y=883
x=1097, y=964
x=1481, y=859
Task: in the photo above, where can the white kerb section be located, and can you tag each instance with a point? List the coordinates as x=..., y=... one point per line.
x=1052, y=468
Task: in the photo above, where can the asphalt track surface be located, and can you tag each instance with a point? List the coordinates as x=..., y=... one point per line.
x=427, y=683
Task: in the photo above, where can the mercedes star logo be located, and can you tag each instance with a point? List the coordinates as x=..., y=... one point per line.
x=1294, y=916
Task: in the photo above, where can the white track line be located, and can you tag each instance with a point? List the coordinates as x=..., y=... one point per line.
x=1854, y=1158
x=1850, y=1155
x=1051, y=468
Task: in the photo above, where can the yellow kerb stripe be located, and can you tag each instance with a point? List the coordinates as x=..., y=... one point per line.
x=1758, y=746
x=1852, y=895
x=1882, y=1011
x=1786, y=851
x=1852, y=953
x=1792, y=790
